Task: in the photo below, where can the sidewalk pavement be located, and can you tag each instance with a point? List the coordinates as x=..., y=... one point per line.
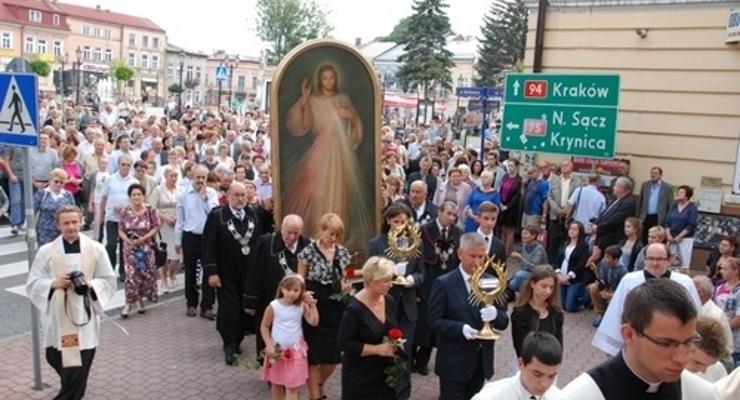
x=171, y=356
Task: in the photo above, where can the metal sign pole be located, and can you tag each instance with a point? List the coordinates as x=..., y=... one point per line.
x=484, y=124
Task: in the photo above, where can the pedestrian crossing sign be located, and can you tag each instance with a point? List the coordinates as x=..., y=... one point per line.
x=221, y=73
x=19, y=123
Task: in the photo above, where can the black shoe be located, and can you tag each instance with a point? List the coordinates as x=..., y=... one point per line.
x=423, y=370
x=230, y=359
x=238, y=350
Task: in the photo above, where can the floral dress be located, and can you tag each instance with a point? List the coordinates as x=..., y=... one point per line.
x=138, y=261
x=46, y=204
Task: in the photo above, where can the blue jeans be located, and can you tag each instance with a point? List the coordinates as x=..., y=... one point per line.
x=17, y=205
x=736, y=359
x=573, y=296
x=518, y=280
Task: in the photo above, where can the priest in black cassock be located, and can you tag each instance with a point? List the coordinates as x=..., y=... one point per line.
x=275, y=256
x=229, y=239
x=659, y=332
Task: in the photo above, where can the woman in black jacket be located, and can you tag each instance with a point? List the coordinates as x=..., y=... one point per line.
x=538, y=307
x=511, y=187
x=571, y=268
x=631, y=245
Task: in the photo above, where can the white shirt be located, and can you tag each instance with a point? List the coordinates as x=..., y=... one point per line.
x=466, y=278
x=566, y=260
x=590, y=205
x=488, y=238
x=714, y=372
x=511, y=388
x=584, y=387
x=116, y=194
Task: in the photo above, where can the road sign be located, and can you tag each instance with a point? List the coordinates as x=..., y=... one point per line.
x=18, y=110
x=221, y=73
x=574, y=115
x=490, y=92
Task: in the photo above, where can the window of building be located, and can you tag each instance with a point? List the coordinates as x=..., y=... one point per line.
x=58, y=48
x=241, y=81
x=144, y=61
x=34, y=15
x=97, y=54
x=155, y=61
x=254, y=83
x=86, y=53
x=41, y=46
x=131, y=59
x=107, y=33
x=196, y=97
x=145, y=41
x=155, y=42
x=29, y=44
x=55, y=19
x=131, y=39
x=197, y=74
x=86, y=30
x=97, y=32
x=108, y=55
x=170, y=70
x=189, y=74
x=6, y=41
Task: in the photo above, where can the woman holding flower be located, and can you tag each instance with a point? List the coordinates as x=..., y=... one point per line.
x=368, y=338
x=322, y=264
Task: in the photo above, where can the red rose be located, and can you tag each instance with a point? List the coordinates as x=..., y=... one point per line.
x=395, y=334
x=287, y=353
x=349, y=273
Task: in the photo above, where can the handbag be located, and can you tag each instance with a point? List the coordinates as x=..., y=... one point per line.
x=575, y=207
x=159, y=247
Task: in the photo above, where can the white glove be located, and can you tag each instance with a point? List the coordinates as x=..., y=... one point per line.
x=409, y=281
x=401, y=268
x=489, y=313
x=469, y=332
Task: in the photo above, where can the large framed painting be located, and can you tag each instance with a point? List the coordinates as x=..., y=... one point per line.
x=325, y=114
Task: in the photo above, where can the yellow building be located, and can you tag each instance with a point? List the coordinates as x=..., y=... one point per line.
x=680, y=80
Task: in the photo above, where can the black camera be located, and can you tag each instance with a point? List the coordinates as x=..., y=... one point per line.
x=78, y=282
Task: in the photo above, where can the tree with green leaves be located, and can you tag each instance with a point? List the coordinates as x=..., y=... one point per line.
x=175, y=88
x=503, y=43
x=285, y=24
x=399, y=31
x=121, y=72
x=426, y=62
x=40, y=67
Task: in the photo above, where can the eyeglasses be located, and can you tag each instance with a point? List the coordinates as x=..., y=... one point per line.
x=125, y=165
x=672, y=345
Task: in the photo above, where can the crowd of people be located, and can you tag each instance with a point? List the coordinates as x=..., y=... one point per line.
x=196, y=191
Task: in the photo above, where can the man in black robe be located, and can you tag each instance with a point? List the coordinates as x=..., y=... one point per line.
x=229, y=239
x=275, y=256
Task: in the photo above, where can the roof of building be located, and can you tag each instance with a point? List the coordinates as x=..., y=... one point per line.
x=376, y=48
x=171, y=48
x=9, y=12
x=6, y=14
x=41, y=5
x=222, y=55
x=462, y=48
x=102, y=15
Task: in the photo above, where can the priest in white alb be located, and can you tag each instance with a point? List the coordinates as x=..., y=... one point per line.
x=70, y=282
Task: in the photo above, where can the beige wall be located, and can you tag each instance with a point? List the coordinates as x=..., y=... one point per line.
x=680, y=85
x=15, y=51
x=50, y=35
x=78, y=38
x=141, y=73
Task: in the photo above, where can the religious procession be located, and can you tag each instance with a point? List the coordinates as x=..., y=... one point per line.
x=343, y=244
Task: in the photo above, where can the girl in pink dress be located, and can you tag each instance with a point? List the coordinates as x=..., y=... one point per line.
x=286, y=362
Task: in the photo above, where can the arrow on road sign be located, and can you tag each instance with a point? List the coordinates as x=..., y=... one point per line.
x=512, y=125
x=516, y=88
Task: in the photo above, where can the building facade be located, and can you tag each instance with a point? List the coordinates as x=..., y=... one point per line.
x=680, y=82
x=245, y=82
x=193, y=64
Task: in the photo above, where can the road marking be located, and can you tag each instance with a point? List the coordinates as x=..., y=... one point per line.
x=13, y=269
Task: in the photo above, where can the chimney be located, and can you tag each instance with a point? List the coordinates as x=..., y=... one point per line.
x=97, y=7
x=358, y=41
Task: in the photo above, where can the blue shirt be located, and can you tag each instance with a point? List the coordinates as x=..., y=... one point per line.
x=677, y=221
x=653, y=199
x=612, y=275
x=535, y=196
x=192, y=210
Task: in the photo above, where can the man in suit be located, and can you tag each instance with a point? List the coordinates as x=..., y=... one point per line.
x=656, y=198
x=440, y=239
x=424, y=174
x=610, y=224
x=463, y=362
x=487, y=216
x=422, y=210
x=561, y=188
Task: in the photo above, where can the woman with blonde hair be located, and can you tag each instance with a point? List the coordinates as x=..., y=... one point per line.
x=366, y=322
x=322, y=264
x=46, y=202
x=538, y=308
x=164, y=201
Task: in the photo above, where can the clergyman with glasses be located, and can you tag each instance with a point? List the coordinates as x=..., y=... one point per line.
x=608, y=337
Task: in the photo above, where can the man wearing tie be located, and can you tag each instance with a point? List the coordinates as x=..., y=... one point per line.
x=422, y=211
x=463, y=362
x=192, y=210
x=487, y=216
x=610, y=224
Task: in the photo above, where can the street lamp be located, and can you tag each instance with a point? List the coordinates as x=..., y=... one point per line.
x=78, y=64
x=179, y=92
x=232, y=67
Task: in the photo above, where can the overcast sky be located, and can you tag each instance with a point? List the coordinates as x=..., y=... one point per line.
x=228, y=24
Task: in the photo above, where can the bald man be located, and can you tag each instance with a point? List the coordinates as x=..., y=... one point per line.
x=275, y=256
x=229, y=238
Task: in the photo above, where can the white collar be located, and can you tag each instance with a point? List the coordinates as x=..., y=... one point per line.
x=489, y=236
x=652, y=386
x=236, y=212
x=465, y=275
x=521, y=390
x=440, y=227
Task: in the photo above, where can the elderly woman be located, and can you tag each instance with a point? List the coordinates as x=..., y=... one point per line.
x=164, y=201
x=137, y=226
x=366, y=322
x=454, y=189
x=322, y=263
x=484, y=192
x=224, y=159
x=46, y=202
x=680, y=223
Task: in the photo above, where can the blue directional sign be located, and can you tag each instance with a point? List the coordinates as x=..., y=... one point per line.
x=477, y=92
x=221, y=73
x=19, y=123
